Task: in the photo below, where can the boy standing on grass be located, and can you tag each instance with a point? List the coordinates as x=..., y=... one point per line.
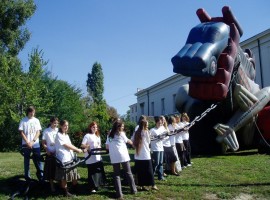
x=29, y=129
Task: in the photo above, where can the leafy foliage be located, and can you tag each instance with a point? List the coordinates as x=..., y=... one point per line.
x=13, y=36
x=67, y=105
x=13, y=15
x=94, y=83
x=100, y=115
x=36, y=86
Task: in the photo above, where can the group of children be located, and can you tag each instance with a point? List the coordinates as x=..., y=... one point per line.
x=176, y=145
x=58, y=146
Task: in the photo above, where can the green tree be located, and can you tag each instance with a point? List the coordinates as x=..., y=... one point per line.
x=13, y=16
x=112, y=112
x=68, y=105
x=94, y=83
x=13, y=36
x=99, y=114
x=34, y=90
x=98, y=110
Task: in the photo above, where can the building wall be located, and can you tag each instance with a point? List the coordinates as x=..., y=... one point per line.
x=159, y=99
x=149, y=100
x=260, y=46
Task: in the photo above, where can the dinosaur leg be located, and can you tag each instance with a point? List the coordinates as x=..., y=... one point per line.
x=250, y=106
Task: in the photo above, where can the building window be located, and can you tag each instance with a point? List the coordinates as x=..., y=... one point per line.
x=163, y=106
x=174, y=103
x=152, y=109
x=136, y=108
x=142, y=108
x=132, y=109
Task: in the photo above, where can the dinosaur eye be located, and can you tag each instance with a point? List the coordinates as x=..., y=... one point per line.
x=213, y=66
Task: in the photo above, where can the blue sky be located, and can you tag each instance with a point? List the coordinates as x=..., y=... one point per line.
x=134, y=41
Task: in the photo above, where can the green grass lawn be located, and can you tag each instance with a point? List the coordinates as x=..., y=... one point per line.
x=241, y=175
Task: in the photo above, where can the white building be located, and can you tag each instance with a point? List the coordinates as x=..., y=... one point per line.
x=159, y=99
x=260, y=46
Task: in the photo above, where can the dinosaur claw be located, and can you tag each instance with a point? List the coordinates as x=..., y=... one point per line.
x=227, y=135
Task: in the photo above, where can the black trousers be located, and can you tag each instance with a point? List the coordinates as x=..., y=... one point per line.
x=181, y=153
x=188, y=151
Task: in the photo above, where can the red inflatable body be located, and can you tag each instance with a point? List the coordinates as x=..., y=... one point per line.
x=263, y=122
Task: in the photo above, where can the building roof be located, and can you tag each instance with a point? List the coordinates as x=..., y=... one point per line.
x=175, y=76
x=255, y=37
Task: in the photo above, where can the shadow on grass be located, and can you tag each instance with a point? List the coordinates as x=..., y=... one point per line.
x=229, y=153
x=17, y=187
x=242, y=153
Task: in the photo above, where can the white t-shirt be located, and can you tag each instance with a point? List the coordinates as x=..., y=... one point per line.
x=30, y=126
x=185, y=133
x=179, y=136
x=144, y=153
x=94, y=142
x=157, y=145
x=62, y=153
x=118, y=149
x=136, y=128
x=49, y=136
x=173, y=137
x=166, y=141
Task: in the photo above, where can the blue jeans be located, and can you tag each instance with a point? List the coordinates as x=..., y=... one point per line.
x=158, y=163
x=37, y=161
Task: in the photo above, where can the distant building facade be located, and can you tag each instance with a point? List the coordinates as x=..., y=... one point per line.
x=260, y=46
x=159, y=99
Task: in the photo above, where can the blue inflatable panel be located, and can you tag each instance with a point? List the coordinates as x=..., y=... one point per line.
x=199, y=56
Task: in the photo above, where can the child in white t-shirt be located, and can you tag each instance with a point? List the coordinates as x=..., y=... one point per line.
x=29, y=129
x=96, y=173
x=48, y=143
x=185, y=121
x=116, y=144
x=157, y=148
x=64, y=153
x=179, y=143
x=143, y=162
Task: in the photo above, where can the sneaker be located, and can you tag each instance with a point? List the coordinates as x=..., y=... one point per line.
x=165, y=175
x=184, y=167
x=145, y=188
x=189, y=165
x=154, y=187
x=162, y=179
x=93, y=191
x=176, y=174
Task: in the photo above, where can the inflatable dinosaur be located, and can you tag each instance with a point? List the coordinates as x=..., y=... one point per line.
x=220, y=73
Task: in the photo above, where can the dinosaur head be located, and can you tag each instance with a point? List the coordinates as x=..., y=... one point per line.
x=203, y=47
x=208, y=56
